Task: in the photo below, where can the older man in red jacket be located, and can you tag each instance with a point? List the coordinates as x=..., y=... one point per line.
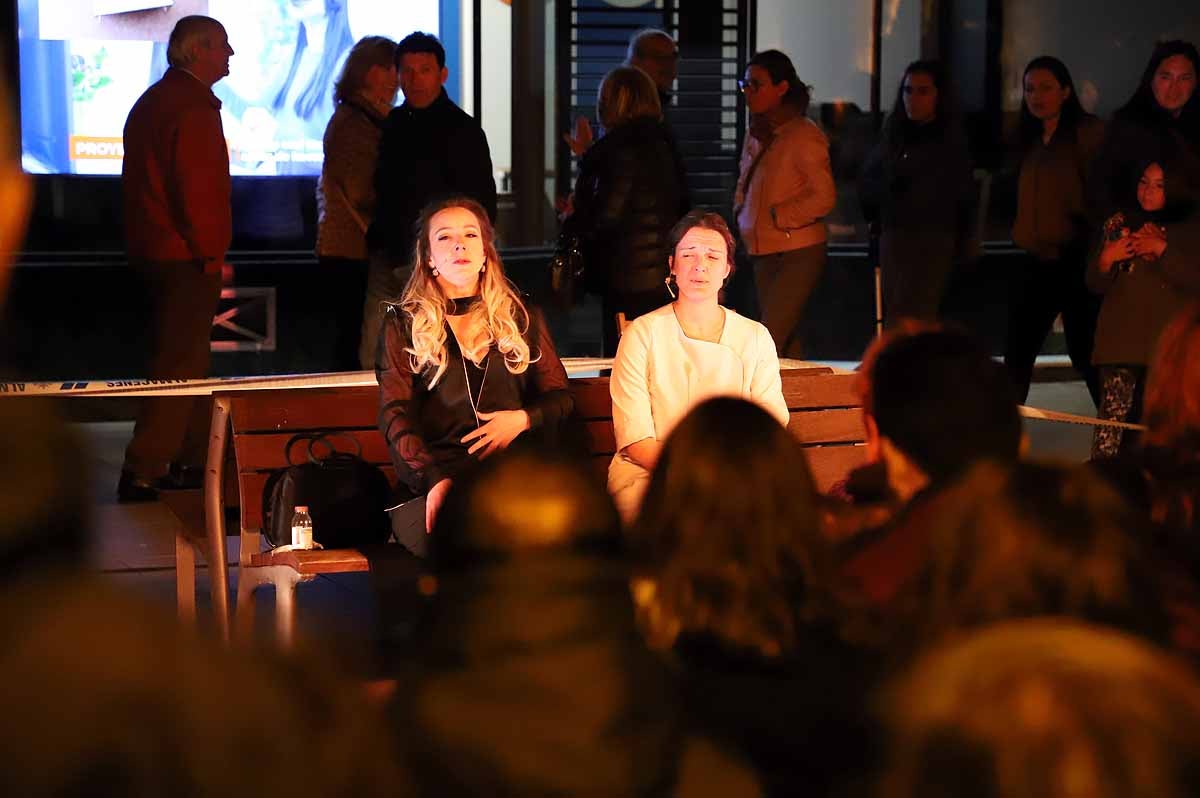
x=178, y=225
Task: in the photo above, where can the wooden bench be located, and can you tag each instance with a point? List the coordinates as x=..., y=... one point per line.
x=825, y=416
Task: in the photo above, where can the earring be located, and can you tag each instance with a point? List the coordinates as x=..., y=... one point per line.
x=433, y=269
x=483, y=268
x=667, y=283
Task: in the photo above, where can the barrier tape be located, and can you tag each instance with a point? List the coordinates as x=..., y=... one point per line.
x=345, y=379
x=206, y=386
x=1071, y=418
x=574, y=366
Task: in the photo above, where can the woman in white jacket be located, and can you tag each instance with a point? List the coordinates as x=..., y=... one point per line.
x=671, y=359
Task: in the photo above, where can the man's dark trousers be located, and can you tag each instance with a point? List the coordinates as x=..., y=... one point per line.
x=183, y=302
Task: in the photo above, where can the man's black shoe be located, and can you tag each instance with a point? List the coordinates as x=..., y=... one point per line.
x=183, y=477
x=131, y=489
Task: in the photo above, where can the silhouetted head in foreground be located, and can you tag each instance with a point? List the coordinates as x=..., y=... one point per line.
x=935, y=402
x=531, y=644
x=1044, y=709
x=526, y=500
x=1029, y=540
x=727, y=542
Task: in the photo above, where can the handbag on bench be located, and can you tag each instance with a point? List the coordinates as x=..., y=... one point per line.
x=345, y=495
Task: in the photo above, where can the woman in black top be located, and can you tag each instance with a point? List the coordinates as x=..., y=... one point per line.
x=918, y=185
x=629, y=194
x=1057, y=144
x=463, y=367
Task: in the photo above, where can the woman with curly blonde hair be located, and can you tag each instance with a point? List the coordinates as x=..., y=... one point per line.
x=463, y=366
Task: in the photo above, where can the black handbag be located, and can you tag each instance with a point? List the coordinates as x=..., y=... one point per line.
x=346, y=496
x=567, y=268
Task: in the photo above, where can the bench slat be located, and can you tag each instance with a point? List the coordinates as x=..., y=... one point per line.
x=830, y=464
x=828, y=426
x=304, y=408
x=601, y=439
x=317, y=561
x=266, y=451
x=803, y=389
x=592, y=399
x=803, y=392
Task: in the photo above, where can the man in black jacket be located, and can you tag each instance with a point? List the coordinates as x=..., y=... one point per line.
x=431, y=149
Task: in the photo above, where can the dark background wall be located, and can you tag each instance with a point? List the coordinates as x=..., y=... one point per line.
x=76, y=311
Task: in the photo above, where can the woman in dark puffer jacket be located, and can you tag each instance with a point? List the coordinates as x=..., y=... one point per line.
x=629, y=194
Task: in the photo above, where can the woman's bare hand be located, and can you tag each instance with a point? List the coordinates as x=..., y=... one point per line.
x=1150, y=241
x=502, y=427
x=1116, y=251
x=581, y=137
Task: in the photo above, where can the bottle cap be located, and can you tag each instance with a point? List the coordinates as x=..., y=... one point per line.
x=301, y=508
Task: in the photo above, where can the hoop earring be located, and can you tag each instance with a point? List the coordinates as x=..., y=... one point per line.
x=667, y=283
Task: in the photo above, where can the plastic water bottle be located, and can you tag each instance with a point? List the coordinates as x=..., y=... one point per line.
x=302, y=529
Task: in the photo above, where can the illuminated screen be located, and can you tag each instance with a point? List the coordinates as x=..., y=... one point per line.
x=85, y=62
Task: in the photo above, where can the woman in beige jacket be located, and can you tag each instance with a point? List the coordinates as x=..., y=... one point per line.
x=784, y=191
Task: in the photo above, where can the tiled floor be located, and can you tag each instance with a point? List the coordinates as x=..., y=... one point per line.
x=135, y=543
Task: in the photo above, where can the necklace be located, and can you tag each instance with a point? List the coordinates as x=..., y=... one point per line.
x=475, y=400
x=460, y=308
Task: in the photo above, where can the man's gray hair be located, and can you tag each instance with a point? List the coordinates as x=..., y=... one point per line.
x=640, y=38
x=188, y=32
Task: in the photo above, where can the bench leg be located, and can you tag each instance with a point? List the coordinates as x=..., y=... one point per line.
x=249, y=580
x=185, y=581
x=214, y=515
x=285, y=580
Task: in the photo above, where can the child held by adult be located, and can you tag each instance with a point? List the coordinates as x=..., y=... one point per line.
x=1146, y=279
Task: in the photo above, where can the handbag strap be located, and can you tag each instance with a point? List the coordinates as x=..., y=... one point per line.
x=750, y=175
x=326, y=439
x=292, y=441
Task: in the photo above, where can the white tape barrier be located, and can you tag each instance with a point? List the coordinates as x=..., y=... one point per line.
x=345, y=379
x=199, y=387
x=204, y=387
x=575, y=366
x=1071, y=418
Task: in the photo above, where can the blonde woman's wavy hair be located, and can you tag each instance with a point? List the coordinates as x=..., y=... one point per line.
x=504, y=316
